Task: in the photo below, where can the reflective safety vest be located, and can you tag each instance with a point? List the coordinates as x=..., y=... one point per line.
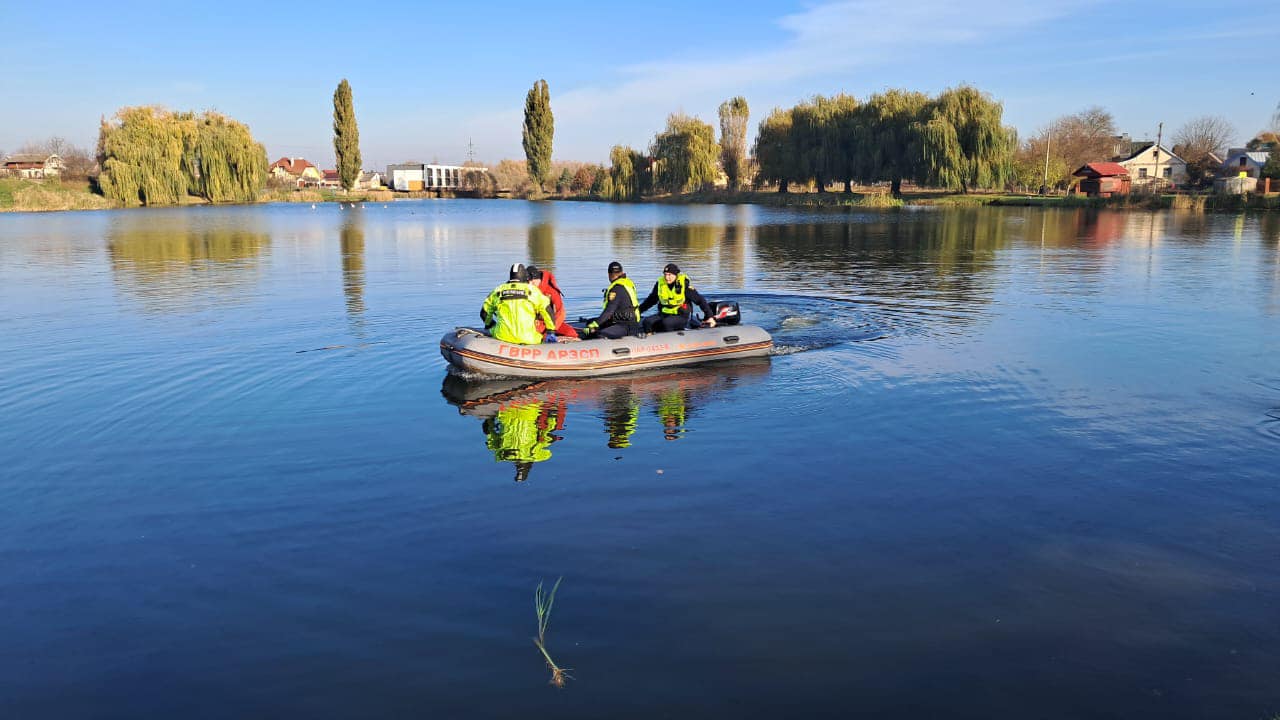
x=511, y=311
x=671, y=298
x=621, y=416
x=625, y=283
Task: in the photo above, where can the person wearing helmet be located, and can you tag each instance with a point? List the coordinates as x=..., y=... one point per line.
x=672, y=293
x=545, y=281
x=621, y=314
x=512, y=310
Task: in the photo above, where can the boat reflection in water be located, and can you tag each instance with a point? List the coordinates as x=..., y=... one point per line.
x=522, y=419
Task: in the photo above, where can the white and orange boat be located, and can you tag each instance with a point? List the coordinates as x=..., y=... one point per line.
x=475, y=351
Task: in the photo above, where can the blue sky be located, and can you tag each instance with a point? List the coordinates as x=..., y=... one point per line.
x=427, y=76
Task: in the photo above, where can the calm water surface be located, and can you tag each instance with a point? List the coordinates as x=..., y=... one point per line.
x=1003, y=463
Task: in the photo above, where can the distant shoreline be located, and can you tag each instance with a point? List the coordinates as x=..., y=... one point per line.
x=57, y=196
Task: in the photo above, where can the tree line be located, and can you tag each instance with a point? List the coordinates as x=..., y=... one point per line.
x=954, y=140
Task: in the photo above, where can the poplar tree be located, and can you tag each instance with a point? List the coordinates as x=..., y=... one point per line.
x=734, y=114
x=538, y=132
x=346, y=136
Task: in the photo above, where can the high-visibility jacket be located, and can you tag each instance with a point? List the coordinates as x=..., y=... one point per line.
x=521, y=433
x=511, y=311
x=630, y=311
x=671, y=300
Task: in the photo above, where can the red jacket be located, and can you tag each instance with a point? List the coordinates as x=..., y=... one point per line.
x=551, y=289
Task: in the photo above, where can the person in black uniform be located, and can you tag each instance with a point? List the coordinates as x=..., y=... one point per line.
x=621, y=314
x=672, y=293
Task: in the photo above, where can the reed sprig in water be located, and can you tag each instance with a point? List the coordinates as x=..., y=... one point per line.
x=542, y=603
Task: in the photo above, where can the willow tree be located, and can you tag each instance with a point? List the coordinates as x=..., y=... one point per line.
x=893, y=136
x=734, y=114
x=538, y=132
x=346, y=136
x=773, y=150
x=684, y=154
x=623, y=180
x=151, y=156
x=140, y=153
x=964, y=144
x=224, y=162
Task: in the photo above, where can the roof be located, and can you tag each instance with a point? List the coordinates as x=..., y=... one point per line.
x=331, y=175
x=293, y=166
x=1102, y=169
x=40, y=158
x=1147, y=146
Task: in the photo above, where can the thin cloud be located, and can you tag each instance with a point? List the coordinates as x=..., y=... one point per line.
x=827, y=39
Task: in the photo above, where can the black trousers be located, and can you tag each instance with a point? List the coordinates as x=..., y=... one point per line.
x=665, y=323
x=618, y=330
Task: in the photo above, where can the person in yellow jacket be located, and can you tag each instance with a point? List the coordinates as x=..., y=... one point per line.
x=522, y=434
x=620, y=316
x=511, y=311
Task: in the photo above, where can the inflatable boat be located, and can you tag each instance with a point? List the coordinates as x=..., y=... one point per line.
x=475, y=351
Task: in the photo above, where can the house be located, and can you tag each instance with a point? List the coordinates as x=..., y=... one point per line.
x=330, y=179
x=1155, y=166
x=33, y=165
x=1241, y=162
x=369, y=181
x=411, y=177
x=298, y=170
x=1103, y=179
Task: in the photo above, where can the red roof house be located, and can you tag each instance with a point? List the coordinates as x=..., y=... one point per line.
x=1103, y=179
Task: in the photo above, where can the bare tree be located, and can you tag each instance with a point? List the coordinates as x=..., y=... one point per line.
x=1202, y=142
x=1203, y=135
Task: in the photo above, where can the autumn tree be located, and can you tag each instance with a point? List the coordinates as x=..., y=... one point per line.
x=538, y=132
x=622, y=174
x=1202, y=142
x=685, y=154
x=734, y=114
x=582, y=179
x=346, y=136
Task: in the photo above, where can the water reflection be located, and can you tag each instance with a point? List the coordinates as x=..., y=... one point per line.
x=351, y=239
x=521, y=420
x=169, y=262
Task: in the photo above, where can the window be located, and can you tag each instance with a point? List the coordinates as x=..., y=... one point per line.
x=1244, y=161
x=1168, y=173
x=1142, y=173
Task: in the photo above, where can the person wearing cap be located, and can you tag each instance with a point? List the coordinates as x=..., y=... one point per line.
x=621, y=314
x=672, y=293
x=512, y=310
x=545, y=281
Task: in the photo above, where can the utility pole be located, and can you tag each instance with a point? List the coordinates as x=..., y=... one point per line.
x=1044, y=186
x=1155, y=172
x=471, y=151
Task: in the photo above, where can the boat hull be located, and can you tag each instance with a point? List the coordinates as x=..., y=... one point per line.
x=472, y=350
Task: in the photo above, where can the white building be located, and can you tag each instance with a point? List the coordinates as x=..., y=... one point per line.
x=1155, y=165
x=412, y=177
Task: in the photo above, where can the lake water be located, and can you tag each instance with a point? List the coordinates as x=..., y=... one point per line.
x=1003, y=462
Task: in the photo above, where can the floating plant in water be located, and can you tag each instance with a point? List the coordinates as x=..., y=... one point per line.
x=542, y=603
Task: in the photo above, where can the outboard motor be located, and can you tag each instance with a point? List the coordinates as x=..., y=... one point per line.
x=726, y=312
